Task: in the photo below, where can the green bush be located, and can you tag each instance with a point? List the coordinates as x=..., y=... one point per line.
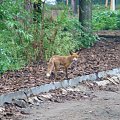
x=69, y=37
x=14, y=37
x=104, y=19
x=20, y=37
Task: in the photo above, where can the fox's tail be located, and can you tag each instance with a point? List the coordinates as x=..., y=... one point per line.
x=50, y=68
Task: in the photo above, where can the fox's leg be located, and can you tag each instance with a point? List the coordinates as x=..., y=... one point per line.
x=56, y=69
x=66, y=72
x=50, y=68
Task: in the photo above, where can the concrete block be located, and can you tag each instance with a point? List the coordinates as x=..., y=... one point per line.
x=42, y=88
x=84, y=77
x=58, y=85
x=74, y=82
x=102, y=74
x=64, y=83
x=109, y=72
x=92, y=77
x=7, y=97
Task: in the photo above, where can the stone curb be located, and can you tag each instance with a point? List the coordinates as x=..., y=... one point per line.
x=21, y=94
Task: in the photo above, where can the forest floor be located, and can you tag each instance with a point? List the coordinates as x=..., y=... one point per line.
x=86, y=105
x=104, y=55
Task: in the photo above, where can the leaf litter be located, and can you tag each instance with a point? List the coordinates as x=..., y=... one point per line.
x=104, y=55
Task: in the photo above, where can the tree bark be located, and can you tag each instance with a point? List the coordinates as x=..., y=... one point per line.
x=74, y=6
x=37, y=11
x=85, y=14
x=106, y=3
x=67, y=2
x=112, y=5
x=28, y=5
x=42, y=34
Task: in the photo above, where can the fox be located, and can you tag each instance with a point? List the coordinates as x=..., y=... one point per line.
x=57, y=60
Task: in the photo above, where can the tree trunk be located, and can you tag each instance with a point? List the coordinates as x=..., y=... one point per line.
x=28, y=5
x=112, y=5
x=37, y=11
x=106, y=3
x=85, y=14
x=74, y=6
x=67, y=2
x=42, y=34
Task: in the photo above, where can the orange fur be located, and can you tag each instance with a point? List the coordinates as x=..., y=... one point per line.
x=56, y=60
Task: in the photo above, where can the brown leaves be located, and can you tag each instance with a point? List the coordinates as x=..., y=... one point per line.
x=104, y=55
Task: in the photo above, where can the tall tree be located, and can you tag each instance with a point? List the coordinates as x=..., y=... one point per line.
x=74, y=6
x=67, y=2
x=85, y=14
x=112, y=5
x=106, y=3
x=37, y=10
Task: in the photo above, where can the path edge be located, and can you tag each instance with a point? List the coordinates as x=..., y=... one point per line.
x=21, y=94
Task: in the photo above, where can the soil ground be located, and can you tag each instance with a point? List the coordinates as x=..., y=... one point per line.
x=105, y=106
x=83, y=105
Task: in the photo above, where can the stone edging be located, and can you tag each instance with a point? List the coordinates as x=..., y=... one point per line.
x=21, y=94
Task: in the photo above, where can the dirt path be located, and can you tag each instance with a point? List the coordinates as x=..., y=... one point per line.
x=106, y=106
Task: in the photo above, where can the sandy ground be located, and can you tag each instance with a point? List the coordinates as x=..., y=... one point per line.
x=106, y=106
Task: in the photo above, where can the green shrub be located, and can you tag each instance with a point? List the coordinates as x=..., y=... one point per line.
x=104, y=19
x=20, y=37
x=13, y=35
x=69, y=37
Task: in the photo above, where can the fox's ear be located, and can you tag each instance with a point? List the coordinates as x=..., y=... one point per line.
x=71, y=53
x=77, y=52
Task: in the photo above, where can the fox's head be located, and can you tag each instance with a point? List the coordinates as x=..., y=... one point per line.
x=75, y=56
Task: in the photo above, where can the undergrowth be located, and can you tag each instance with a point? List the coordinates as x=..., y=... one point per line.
x=20, y=36
x=105, y=19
